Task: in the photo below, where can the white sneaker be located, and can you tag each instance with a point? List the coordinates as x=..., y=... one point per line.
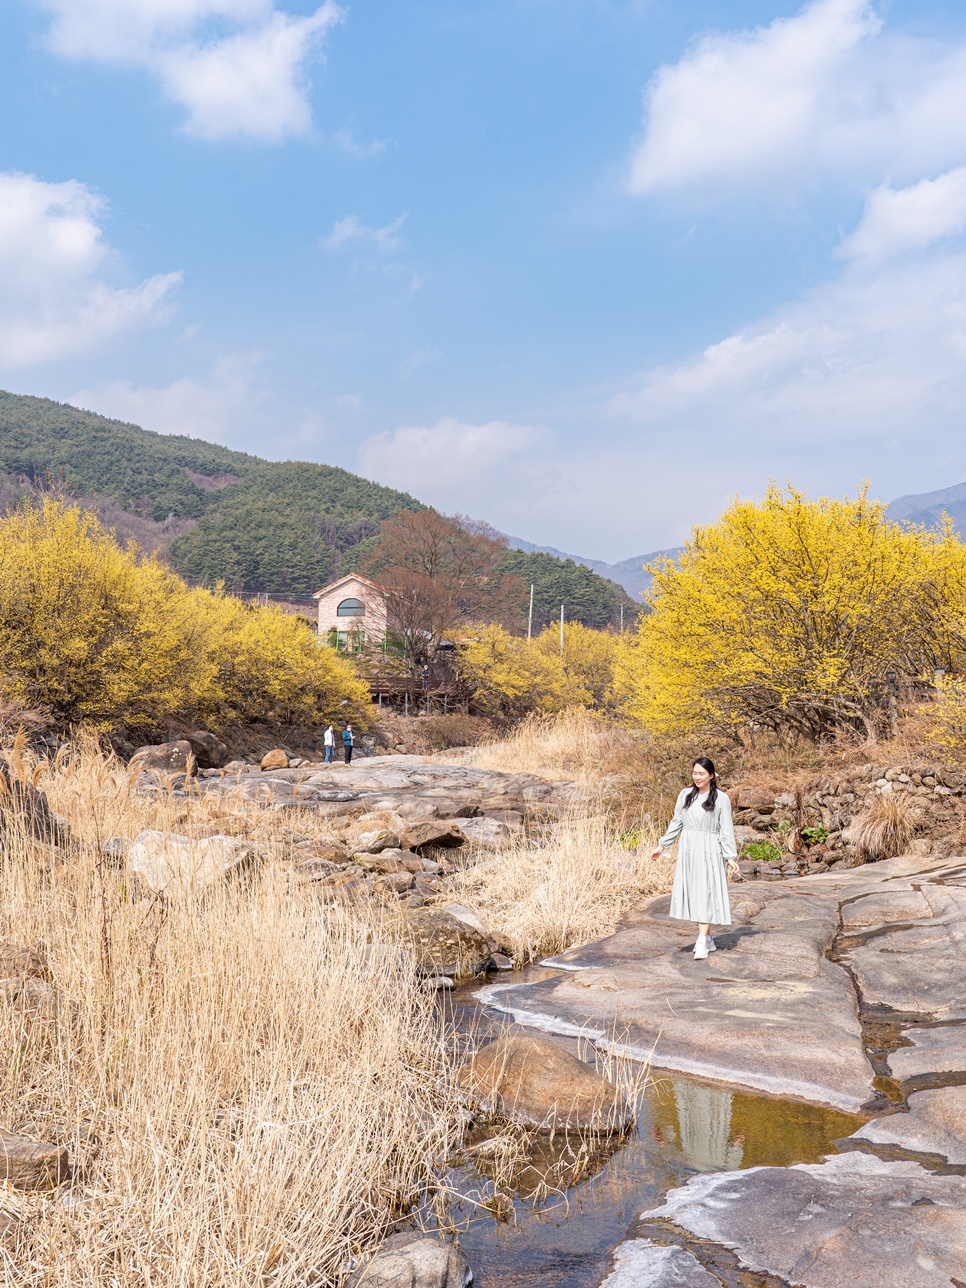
x=700, y=949
x=709, y=943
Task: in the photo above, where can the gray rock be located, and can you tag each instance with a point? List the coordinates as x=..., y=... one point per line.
x=938, y=1049
x=488, y=833
x=25, y=809
x=415, y=1261
x=467, y=917
x=935, y=1124
x=767, y=1010
x=423, y=833
x=209, y=751
x=164, y=758
x=115, y=849
x=180, y=865
x=851, y=1222
x=639, y=1263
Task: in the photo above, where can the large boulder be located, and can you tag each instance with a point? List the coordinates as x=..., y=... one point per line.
x=25, y=809
x=31, y=1164
x=426, y=832
x=276, y=759
x=415, y=1261
x=442, y=944
x=536, y=1083
x=210, y=752
x=184, y=865
x=164, y=758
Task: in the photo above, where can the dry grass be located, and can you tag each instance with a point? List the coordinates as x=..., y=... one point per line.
x=568, y=888
x=884, y=827
x=251, y=1086
x=575, y=744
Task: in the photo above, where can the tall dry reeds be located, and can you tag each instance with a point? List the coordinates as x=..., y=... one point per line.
x=569, y=887
x=251, y=1086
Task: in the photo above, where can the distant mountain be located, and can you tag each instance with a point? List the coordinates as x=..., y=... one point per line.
x=281, y=528
x=629, y=573
x=928, y=507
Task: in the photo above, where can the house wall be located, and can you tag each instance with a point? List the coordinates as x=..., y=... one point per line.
x=373, y=624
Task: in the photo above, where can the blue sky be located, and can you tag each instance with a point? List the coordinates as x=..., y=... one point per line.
x=583, y=268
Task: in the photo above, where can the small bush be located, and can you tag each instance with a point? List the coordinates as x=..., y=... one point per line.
x=883, y=829
x=817, y=835
x=762, y=852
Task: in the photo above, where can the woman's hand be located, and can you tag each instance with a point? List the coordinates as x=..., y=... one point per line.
x=733, y=869
x=656, y=854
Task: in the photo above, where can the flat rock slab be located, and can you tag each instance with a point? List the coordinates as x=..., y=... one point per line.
x=639, y=1263
x=851, y=1222
x=407, y=783
x=770, y=1009
x=767, y=1010
x=934, y=1124
x=935, y=1049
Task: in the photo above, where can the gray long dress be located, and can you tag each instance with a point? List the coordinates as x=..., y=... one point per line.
x=700, y=891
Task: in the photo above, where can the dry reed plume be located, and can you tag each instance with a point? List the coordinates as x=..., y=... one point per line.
x=251, y=1087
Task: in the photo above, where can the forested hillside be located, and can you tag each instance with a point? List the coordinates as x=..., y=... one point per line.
x=220, y=515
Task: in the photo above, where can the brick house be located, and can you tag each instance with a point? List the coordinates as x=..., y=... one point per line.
x=352, y=613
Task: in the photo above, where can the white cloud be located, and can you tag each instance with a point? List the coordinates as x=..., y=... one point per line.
x=351, y=229
x=828, y=90
x=459, y=466
x=896, y=221
x=55, y=296
x=215, y=408
x=237, y=66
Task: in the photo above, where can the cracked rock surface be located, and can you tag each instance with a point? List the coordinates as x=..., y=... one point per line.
x=776, y=1008
x=854, y=1221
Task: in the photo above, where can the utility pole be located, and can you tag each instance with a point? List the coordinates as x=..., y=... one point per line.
x=622, y=619
x=561, y=629
x=530, y=618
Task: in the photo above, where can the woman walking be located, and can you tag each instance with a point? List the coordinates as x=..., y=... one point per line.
x=702, y=819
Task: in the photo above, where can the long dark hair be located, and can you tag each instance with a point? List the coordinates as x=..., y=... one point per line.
x=692, y=795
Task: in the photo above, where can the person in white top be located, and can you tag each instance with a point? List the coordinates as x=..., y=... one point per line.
x=328, y=740
x=702, y=819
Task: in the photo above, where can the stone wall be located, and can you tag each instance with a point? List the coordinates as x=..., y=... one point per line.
x=807, y=820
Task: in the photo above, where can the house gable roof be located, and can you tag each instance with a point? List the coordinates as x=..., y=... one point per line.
x=352, y=576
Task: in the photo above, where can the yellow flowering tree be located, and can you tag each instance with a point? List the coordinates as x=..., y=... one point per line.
x=789, y=613
x=106, y=637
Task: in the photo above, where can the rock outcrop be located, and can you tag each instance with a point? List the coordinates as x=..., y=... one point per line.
x=851, y=1222
x=776, y=1007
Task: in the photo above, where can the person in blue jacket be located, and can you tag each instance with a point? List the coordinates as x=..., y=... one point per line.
x=347, y=742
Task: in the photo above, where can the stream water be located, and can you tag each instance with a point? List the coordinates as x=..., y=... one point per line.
x=553, y=1216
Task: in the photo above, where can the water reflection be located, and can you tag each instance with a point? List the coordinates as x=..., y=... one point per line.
x=704, y=1128
x=563, y=1205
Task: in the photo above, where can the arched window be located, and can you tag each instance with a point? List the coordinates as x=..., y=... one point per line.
x=351, y=608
